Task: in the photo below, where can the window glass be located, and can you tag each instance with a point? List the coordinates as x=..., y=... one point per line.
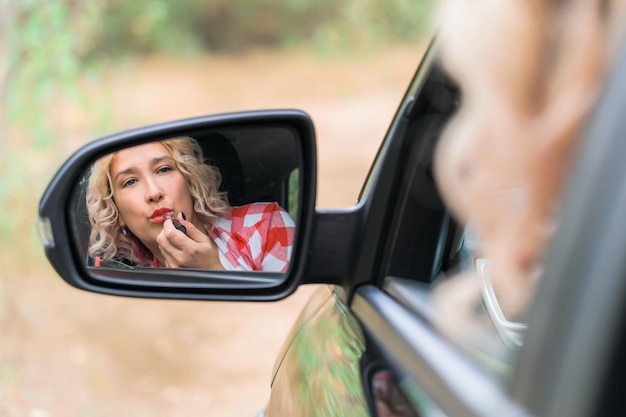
x=293, y=193
x=432, y=246
x=422, y=223
x=504, y=160
x=468, y=308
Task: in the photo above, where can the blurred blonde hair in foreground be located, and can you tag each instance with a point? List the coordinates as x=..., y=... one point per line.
x=530, y=72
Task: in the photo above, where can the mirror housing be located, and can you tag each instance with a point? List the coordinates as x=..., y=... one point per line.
x=62, y=202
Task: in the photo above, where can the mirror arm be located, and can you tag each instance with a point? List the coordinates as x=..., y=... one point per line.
x=333, y=245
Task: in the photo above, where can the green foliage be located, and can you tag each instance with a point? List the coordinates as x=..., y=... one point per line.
x=158, y=25
x=294, y=193
x=41, y=84
x=329, y=365
x=42, y=61
x=143, y=26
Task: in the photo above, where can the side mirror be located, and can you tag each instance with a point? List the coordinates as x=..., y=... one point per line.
x=109, y=217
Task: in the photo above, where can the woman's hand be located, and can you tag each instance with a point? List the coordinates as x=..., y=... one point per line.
x=191, y=250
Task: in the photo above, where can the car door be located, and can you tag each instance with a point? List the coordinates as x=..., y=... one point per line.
x=440, y=337
x=438, y=354
x=434, y=354
x=333, y=364
x=428, y=340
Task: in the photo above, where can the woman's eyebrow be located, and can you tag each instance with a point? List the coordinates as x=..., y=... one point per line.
x=160, y=159
x=124, y=172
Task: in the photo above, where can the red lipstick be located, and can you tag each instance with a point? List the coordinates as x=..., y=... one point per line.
x=160, y=215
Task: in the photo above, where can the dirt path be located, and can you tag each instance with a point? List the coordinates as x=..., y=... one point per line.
x=68, y=353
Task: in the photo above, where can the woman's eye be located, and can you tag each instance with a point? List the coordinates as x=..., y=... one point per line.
x=164, y=169
x=129, y=182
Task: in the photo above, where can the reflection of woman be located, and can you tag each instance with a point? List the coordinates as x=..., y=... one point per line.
x=137, y=196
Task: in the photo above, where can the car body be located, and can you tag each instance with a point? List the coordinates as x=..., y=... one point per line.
x=369, y=342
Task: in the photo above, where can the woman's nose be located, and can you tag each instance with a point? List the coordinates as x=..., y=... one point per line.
x=154, y=192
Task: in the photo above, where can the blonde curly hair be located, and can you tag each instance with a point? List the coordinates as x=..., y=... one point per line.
x=106, y=239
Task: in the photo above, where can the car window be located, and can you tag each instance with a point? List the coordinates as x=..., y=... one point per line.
x=418, y=250
x=422, y=229
x=428, y=248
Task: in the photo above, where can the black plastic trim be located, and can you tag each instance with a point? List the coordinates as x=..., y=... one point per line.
x=333, y=247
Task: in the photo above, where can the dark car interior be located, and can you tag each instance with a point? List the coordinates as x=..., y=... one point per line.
x=426, y=258
x=237, y=152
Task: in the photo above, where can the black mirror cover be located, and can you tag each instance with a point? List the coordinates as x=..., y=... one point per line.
x=263, y=156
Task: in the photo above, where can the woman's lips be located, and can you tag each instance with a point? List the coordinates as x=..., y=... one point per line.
x=160, y=215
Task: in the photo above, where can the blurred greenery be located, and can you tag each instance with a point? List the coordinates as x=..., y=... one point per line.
x=294, y=193
x=44, y=44
x=326, y=352
x=236, y=25
x=53, y=53
x=41, y=49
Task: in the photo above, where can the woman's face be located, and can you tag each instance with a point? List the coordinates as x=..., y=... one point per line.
x=147, y=188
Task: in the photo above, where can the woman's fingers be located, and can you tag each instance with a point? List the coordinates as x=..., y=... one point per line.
x=192, y=249
x=191, y=230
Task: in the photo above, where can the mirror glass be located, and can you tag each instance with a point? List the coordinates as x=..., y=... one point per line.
x=223, y=199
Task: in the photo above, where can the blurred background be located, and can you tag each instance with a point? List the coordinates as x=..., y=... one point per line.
x=72, y=71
